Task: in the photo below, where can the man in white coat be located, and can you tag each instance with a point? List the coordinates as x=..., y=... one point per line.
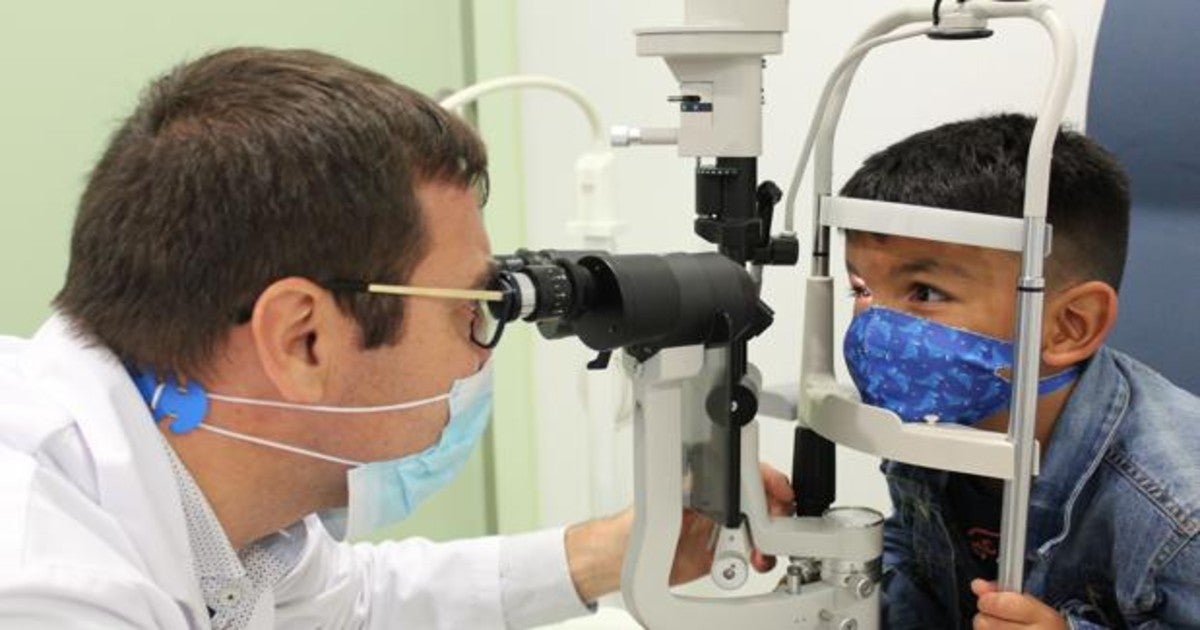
x=217, y=390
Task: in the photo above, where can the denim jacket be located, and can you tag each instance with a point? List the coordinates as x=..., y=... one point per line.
x=1114, y=516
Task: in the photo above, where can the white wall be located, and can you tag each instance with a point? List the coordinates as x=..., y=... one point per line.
x=902, y=89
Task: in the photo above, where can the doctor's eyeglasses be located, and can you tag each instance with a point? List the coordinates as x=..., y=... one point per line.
x=491, y=307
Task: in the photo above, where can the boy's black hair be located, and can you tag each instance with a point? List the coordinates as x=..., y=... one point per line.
x=978, y=165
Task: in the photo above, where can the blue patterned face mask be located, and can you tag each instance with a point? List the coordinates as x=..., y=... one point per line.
x=924, y=371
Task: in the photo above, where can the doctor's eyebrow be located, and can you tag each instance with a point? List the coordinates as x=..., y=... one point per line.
x=484, y=277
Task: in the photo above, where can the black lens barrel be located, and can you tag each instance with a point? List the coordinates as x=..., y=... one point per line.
x=613, y=301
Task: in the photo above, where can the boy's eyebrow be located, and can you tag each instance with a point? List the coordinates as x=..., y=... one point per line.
x=923, y=265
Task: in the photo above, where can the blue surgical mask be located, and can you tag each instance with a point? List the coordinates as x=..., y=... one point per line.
x=924, y=371
x=380, y=493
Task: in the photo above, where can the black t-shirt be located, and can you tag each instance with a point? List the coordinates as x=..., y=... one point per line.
x=976, y=506
x=974, y=509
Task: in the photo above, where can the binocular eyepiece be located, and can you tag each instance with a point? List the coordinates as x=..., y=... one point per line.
x=644, y=301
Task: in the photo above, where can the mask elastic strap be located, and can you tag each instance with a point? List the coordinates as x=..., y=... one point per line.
x=283, y=447
x=1056, y=382
x=328, y=409
x=158, y=392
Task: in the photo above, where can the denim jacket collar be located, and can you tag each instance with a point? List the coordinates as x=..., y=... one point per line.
x=1081, y=435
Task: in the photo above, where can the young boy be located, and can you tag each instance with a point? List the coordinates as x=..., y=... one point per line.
x=1114, y=514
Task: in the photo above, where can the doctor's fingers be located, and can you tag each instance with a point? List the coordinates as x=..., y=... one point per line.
x=781, y=498
x=761, y=562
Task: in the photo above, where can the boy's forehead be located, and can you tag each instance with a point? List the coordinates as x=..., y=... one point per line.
x=879, y=253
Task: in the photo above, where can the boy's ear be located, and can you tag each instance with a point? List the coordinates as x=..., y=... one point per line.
x=1078, y=321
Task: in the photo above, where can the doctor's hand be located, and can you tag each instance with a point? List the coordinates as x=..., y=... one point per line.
x=694, y=553
x=1003, y=610
x=596, y=549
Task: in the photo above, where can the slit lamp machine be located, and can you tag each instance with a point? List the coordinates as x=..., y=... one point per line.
x=681, y=323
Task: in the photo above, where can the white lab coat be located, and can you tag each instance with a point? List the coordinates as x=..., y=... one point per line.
x=92, y=532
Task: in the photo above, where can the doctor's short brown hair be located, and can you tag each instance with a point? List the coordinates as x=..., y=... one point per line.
x=243, y=167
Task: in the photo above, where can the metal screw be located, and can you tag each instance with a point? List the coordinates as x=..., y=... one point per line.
x=794, y=579
x=848, y=624
x=863, y=586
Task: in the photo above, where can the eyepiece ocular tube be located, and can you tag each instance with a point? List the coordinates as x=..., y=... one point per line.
x=613, y=301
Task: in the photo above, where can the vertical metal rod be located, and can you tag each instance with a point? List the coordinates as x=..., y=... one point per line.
x=1022, y=418
x=735, y=369
x=1023, y=414
x=820, y=253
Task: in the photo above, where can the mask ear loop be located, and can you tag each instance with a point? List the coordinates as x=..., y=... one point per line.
x=184, y=405
x=1056, y=382
x=158, y=390
x=1046, y=384
x=277, y=445
x=326, y=408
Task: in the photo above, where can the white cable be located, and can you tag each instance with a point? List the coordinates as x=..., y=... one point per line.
x=851, y=58
x=467, y=95
x=600, y=464
x=604, y=220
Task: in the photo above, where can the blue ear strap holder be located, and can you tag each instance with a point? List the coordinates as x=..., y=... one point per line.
x=183, y=405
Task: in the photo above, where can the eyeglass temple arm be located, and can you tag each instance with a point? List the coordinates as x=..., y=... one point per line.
x=357, y=286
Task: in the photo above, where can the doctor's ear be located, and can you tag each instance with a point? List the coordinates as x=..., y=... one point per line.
x=1078, y=321
x=296, y=328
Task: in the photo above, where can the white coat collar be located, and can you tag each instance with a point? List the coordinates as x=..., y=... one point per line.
x=133, y=475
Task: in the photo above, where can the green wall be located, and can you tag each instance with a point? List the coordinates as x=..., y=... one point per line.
x=73, y=70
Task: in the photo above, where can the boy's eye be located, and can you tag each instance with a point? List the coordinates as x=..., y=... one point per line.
x=926, y=293
x=859, y=292
x=858, y=288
